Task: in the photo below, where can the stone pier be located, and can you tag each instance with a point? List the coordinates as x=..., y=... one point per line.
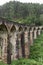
x=31, y=36
x=21, y=38
x=19, y=46
x=26, y=44
x=35, y=32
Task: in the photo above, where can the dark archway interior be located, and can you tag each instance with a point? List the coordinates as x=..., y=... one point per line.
x=13, y=29
x=22, y=44
x=38, y=28
x=42, y=29
x=37, y=31
x=30, y=29
x=3, y=27
x=33, y=31
x=25, y=28
x=20, y=28
x=34, y=28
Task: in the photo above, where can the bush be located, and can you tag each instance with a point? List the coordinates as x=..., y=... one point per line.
x=24, y=62
x=36, y=51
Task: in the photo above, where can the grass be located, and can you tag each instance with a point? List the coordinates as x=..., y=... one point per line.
x=2, y=63
x=37, y=49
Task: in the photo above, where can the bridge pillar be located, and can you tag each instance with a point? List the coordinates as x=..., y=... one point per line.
x=35, y=33
x=13, y=42
x=39, y=30
x=19, y=46
x=26, y=43
x=31, y=37
x=4, y=49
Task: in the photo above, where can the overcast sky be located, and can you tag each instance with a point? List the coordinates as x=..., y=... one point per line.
x=33, y=1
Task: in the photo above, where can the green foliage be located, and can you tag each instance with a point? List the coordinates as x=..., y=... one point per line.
x=25, y=62
x=22, y=12
x=2, y=63
x=41, y=18
x=37, y=49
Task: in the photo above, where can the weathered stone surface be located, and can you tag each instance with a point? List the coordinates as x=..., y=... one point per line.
x=39, y=32
x=26, y=44
x=35, y=34
x=4, y=46
x=20, y=48
x=31, y=37
x=13, y=42
x=20, y=38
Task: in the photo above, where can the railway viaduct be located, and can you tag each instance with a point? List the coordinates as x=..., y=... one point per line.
x=21, y=37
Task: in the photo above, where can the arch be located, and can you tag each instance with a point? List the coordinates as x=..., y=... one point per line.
x=35, y=31
x=13, y=28
x=38, y=28
x=34, y=28
x=30, y=28
x=25, y=28
x=20, y=28
x=42, y=28
x=3, y=27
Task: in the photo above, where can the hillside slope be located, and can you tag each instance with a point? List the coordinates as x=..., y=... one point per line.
x=37, y=49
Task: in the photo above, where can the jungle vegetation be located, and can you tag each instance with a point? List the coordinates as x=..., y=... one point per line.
x=29, y=13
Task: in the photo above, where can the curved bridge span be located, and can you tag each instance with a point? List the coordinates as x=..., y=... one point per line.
x=16, y=39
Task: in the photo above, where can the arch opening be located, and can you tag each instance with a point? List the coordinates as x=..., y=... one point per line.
x=13, y=29
x=20, y=28
x=3, y=27
x=38, y=28
x=25, y=28
x=34, y=28
x=30, y=29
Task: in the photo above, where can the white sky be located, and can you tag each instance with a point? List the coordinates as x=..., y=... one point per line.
x=33, y=1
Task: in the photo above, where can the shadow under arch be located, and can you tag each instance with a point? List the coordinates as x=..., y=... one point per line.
x=13, y=29
x=33, y=32
x=30, y=28
x=3, y=27
x=25, y=28
x=34, y=29
x=22, y=41
x=42, y=30
x=23, y=44
x=20, y=28
x=38, y=28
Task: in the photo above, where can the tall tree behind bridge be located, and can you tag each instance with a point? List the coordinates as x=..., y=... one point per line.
x=22, y=12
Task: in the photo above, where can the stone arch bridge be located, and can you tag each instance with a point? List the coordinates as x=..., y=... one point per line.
x=21, y=37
